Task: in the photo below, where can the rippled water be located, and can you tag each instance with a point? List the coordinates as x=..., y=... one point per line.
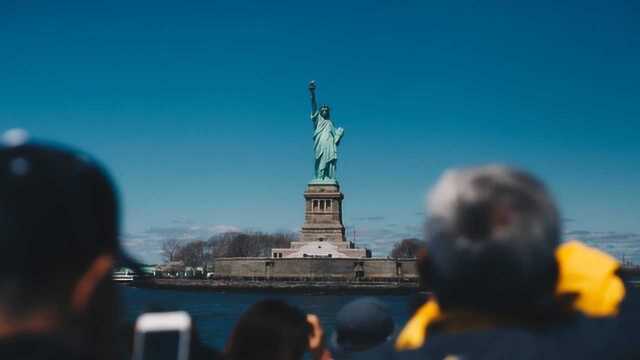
x=215, y=313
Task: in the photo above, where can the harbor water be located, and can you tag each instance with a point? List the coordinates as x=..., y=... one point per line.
x=215, y=313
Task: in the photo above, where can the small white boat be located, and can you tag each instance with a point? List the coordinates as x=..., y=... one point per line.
x=124, y=275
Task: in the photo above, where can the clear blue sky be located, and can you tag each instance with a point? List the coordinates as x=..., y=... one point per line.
x=200, y=108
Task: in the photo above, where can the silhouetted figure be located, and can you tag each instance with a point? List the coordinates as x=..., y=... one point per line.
x=274, y=330
x=59, y=226
x=505, y=286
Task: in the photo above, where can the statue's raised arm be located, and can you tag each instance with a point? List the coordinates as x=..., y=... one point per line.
x=314, y=102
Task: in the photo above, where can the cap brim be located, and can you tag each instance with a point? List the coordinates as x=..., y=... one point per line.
x=338, y=349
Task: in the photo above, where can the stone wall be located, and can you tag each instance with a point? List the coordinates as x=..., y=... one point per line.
x=316, y=268
x=323, y=214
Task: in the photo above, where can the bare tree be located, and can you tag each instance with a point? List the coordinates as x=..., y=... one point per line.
x=170, y=248
x=221, y=245
x=193, y=253
x=254, y=244
x=231, y=244
x=406, y=248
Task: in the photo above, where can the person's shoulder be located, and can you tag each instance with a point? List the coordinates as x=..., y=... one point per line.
x=489, y=344
x=37, y=348
x=581, y=337
x=606, y=335
x=513, y=343
x=385, y=351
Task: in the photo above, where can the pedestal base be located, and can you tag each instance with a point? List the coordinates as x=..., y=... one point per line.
x=302, y=249
x=323, y=214
x=322, y=234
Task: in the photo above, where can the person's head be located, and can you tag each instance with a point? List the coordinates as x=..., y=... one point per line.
x=491, y=237
x=59, y=239
x=270, y=329
x=325, y=111
x=361, y=325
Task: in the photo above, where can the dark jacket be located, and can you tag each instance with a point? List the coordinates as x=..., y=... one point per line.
x=578, y=338
x=37, y=347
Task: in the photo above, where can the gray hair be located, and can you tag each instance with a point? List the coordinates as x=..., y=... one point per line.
x=495, y=228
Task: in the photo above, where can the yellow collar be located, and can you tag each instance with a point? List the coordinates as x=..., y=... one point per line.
x=585, y=271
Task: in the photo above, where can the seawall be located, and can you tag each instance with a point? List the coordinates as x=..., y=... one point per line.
x=310, y=269
x=273, y=286
x=311, y=275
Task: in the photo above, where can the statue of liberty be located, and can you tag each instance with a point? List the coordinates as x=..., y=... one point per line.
x=326, y=139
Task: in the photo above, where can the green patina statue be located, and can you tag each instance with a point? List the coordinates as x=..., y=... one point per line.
x=326, y=139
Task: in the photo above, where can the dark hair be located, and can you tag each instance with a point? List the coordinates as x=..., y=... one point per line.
x=491, y=234
x=270, y=329
x=58, y=213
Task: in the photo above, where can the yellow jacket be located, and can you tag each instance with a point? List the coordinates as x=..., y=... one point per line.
x=583, y=270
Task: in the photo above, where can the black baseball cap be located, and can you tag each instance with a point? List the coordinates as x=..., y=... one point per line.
x=58, y=210
x=361, y=325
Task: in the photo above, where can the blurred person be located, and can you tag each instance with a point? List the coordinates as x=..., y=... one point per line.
x=275, y=330
x=59, y=225
x=361, y=325
x=503, y=284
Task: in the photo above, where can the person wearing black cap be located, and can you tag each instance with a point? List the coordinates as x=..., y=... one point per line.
x=59, y=225
x=361, y=325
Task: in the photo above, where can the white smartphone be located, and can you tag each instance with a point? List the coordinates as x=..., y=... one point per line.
x=162, y=336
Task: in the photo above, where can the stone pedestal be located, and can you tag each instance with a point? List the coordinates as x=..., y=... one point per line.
x=322, y=234
x=323, y=214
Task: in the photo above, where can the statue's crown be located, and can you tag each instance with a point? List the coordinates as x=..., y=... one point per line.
x=324, y=107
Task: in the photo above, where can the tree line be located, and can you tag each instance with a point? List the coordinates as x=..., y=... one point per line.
x=406, y=248
x=200, y=253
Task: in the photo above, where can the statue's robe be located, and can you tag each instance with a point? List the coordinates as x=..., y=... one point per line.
x=325, y=144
